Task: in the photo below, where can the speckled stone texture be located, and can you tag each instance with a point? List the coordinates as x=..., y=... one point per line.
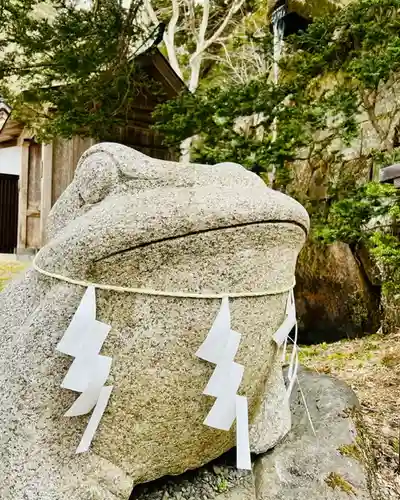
x=130, y=220
x=331, y=464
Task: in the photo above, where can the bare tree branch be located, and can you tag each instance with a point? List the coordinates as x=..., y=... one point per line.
x=169, y=39
x=184, y=17
x=192, y=19
x=233, y=9
x=151, y=12
x=195, y=60
x=204, y=23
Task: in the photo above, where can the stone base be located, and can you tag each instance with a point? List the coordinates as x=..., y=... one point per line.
x=329, y=465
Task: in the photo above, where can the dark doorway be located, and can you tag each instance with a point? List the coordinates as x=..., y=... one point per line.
x=8, y=212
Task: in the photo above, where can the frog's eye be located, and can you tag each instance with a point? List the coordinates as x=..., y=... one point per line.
x=95, y=178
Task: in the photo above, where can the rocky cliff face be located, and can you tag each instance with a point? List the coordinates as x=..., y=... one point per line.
x=336, y=295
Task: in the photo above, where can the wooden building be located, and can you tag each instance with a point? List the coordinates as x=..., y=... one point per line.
x=33, y=175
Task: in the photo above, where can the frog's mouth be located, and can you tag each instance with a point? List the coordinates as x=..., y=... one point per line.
x=125, y=222
x=243, y=258
x=205, y=231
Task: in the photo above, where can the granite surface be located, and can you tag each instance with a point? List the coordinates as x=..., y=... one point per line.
x=330, y=464
x=273, y=419
x=129, y=220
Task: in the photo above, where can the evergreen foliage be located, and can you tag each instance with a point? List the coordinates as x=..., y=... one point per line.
x=69, y=70
x=333, y=77
x=331, y=74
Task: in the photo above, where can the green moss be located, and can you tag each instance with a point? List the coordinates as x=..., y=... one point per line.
x=350, y=450
x=391, y=360
x=314, y=8
x=337, y=356
x=335, y=480
x=312, y=351
x=222, y=485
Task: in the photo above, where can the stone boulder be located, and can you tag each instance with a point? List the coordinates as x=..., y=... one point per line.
x=129, y=220
x=329, y=464
x=334, y=297
x=332, y=464
x=309, y=9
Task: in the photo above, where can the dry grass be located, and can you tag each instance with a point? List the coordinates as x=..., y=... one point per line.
x=8, y=270
x=371, y=366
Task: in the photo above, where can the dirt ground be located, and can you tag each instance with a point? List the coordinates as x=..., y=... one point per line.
x=371, y=366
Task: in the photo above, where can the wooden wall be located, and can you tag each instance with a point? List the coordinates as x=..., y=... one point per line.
x=145, y=140
x=29, y=196
x=65, y=157
x=47, y=169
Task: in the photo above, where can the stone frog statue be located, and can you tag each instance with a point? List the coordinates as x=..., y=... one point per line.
x=133, y=221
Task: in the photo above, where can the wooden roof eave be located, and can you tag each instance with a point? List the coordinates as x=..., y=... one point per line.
x=152, y=61
x=158, y=67
x=11, y=131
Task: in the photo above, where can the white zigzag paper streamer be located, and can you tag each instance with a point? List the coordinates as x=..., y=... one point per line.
x=89, y=371
x=220, y=348
x=281, y=338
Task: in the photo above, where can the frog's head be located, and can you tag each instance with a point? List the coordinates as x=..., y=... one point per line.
x=121, y=200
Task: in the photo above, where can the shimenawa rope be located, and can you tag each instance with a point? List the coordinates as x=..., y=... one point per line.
x=149, y=291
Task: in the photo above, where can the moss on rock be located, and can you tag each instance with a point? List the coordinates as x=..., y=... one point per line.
x=335, y=480
x=310, y=9
x=350, y=450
